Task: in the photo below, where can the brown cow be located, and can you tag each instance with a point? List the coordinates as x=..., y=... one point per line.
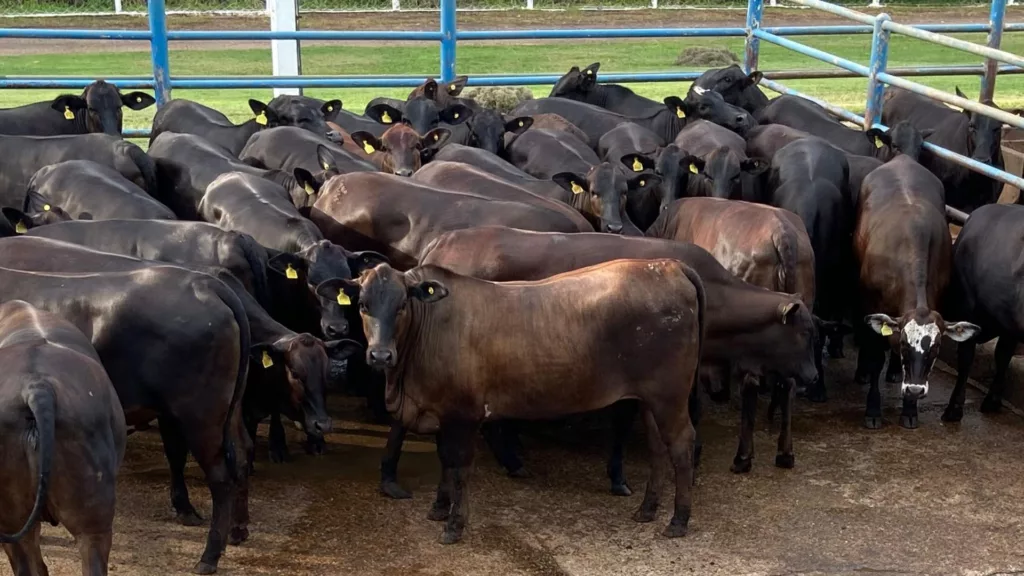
x=635, y=328
x=398, y=217
x=400, y=150
x=903, y=247
x=62, y=439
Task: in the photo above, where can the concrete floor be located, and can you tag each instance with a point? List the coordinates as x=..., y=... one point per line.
x=942, y=499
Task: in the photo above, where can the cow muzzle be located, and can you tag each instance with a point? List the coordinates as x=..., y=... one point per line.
x=334, y=330
x=914, y=390
x=380, y=358
x=318, y=425
x=613, y=228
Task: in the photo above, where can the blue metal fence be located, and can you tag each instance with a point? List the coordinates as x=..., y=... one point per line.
x=448, y=35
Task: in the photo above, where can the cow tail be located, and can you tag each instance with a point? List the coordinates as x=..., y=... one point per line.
x=40, y=399
x=147, y=167
x=785, y=271
x=256, y=256
x=698, y=285
x=231, y=301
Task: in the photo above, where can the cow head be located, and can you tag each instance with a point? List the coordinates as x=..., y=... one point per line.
x=306, y=113
x=736, y=88
x=918, y=333
x=301, y=361
x=487, y=129
x=304, y=186
x=984, y=134
x=384, y=295
x=902, y=138
x=576, y=83
x=674, y=165
x=319, y=263
x=100, y=106
x=401, y=149
x=701, y=104
x=262, y=115
x=421, y=114
x=601, y=194
x=38, y=212
x=725, y=172
x=441, y=92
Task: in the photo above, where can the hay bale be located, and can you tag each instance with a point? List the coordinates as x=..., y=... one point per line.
x=707, y=57
x=501, y=98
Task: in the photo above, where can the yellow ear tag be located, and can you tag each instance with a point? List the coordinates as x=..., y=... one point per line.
x=878, y=142
x=46, y=207
x=680, y=113
x=453, y=89
x=521, y=123
x=267, y=362
x=20, y=228
x=385, y=118
x=430, y=289
x=330, y=108
x=290, y=273
x=437, y=137
x=590, y=72
x=68, y=114
x=576, y=188
x=309, y=189
x=326, y=166
x=638, y=166
x=886, y=331
x=261, y=118
x=643, y=183
x=343, y=299
x=693, y=168
x=368, y=148
x=456, y=116
x=138, y=98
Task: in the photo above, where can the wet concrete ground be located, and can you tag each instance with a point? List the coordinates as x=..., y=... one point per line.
x=942, y=499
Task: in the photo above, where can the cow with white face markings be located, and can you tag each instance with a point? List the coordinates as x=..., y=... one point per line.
x=902, y=245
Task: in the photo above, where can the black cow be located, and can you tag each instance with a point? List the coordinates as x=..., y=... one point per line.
x=805, y=115
x=98, y=109
x=23, y=156
x=62, y=438
x=582, y=86
x=287, y=148
x=496, y=166
x=736, y=88
x=985, y=290
x=593, y=120
x=421, y=114
x=188, y=117
x=728, y=172
x=973, y=135
x=90, y=191
x=487, y=129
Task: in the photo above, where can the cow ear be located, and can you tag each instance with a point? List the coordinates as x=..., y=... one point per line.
x=754, y=166
x=430, y=89
x=754, y=78
x=435, y=139
x=288, y=265
x=368, y=142
x=637, y=162
x=68, y=103
x=384, y=114
x=339, y=350
x=456, y=86
x=359, y=262
x=339, y=290
x=878, y=138
x=590, y=75
x=518, y=125
x=882, y=324
x=641, y=181
x=21, y=222
x=455, y=114
x=137, y=100
x=692, y=164
x=960, y=93
x=330, y=109
x=264, y=116
x=572, y=182
x=85, y=216
x=676, y=105
x=788, y=310
x=962, y=331
x=325, y=158
x=335, y=137
x=306, y=181
x=428, y=291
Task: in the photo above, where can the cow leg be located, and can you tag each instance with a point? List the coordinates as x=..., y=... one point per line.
x=389, y=463
x=874, y=354
x=457, y=456
x=623, y=415
x=894, y=373
x=240, y=509
x=501, y=439
x=95, y=552
x=207, y=444
x=816, y=392
x=908, y=417
x=679, y=438
x=25, y=557
x=745, y=453
x=993, y=401
x=278, y=443
x=835, y=344
x=695, y=418
x=176, y=451
x=964, y=360
x=442, y=506
x=656, y=483
x=787, y=396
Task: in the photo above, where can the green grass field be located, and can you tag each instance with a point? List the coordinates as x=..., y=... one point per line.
x=555, y=57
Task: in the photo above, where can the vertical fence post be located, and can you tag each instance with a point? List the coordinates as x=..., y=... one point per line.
x=396, y=5
x=995, y=37
x=159, y=52
x=117, y=6
x=879, y=60
x=755, y=8
x=447, y=40
x=529, y=4
x=284, y=54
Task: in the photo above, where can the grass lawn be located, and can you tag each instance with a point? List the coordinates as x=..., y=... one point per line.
x=553, y=57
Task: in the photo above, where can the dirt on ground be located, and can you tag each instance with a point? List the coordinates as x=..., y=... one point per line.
x=494, y=20
x=942, y=499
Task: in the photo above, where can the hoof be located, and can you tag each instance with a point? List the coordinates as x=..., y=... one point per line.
x=392, y=490
x=316, y=446
x=873, y=422
x=675, y=529
x=990, y=405
x=786, y=461
x=741, y=465
x=190, y=518
x=892, y=378
x=238, y=535
x=645, y=514
x=520, y=472
x=953, y=414
x=204, y=568
x=438, y=513
x=621, y=490
x=279, y=455
x=909, y=422
x=450, y=536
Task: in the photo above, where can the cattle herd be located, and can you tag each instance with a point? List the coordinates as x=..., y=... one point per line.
x=464, y=268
